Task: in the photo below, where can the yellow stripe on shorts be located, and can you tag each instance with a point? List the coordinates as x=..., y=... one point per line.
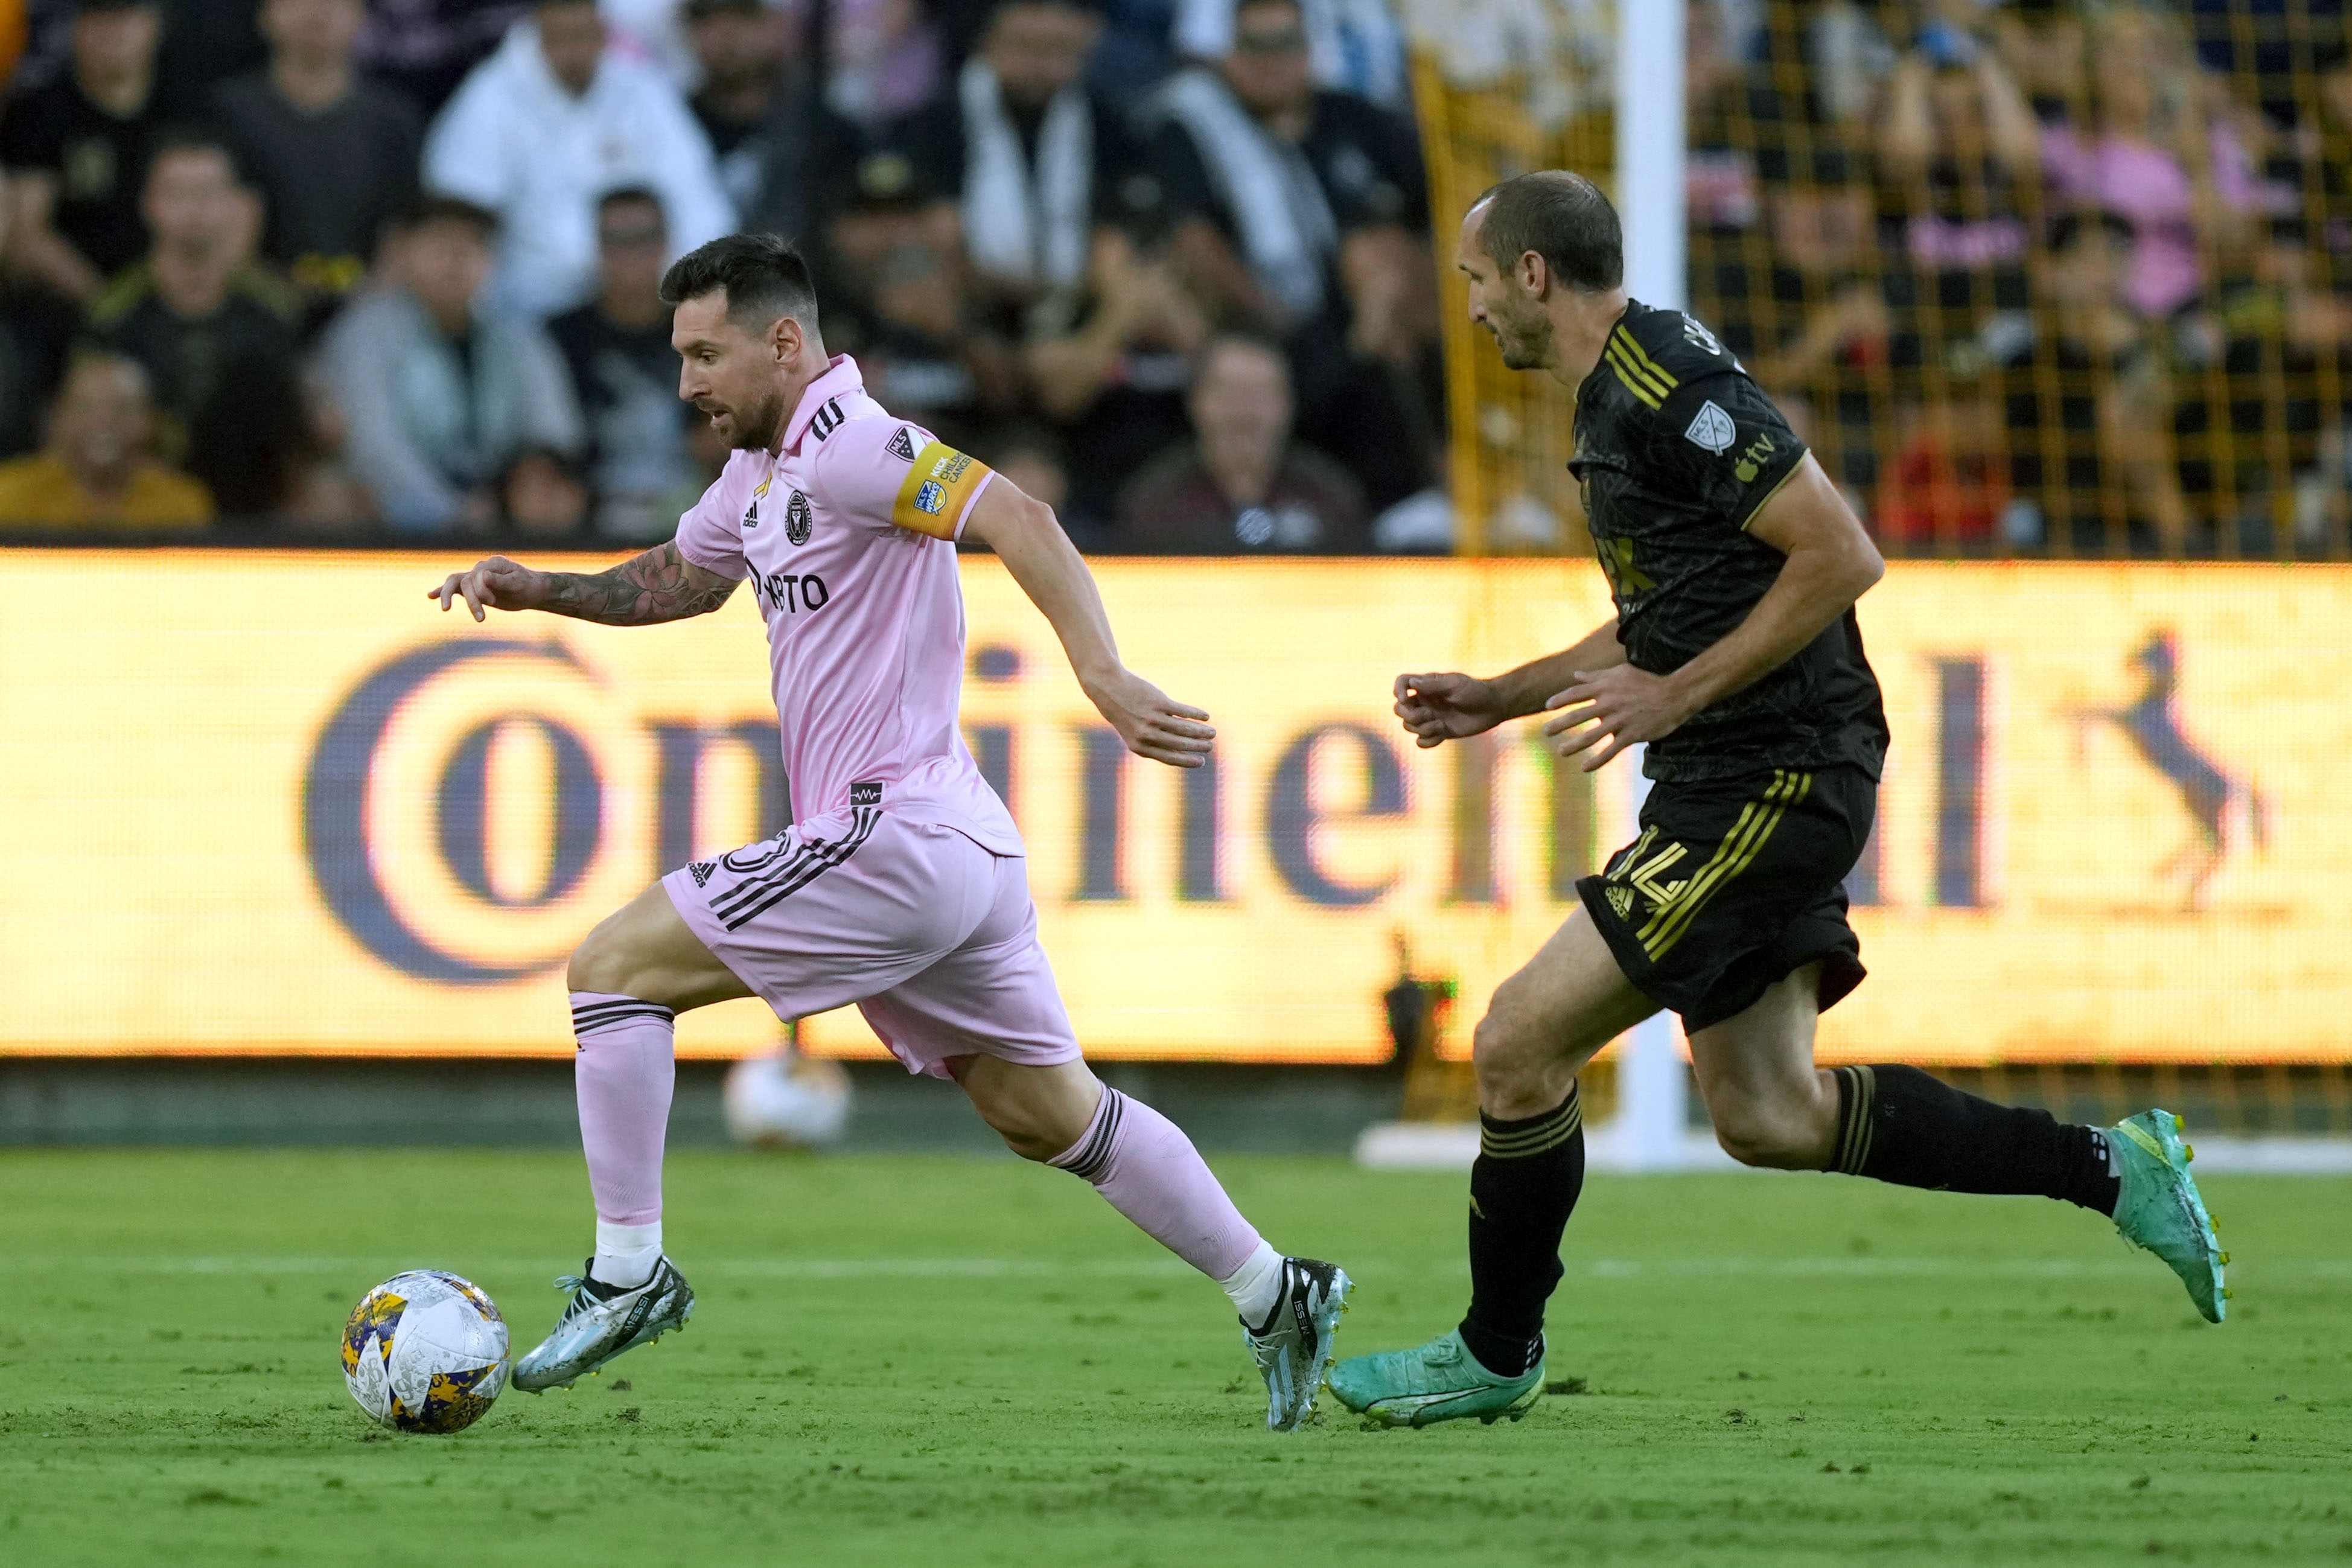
x=1748, y=835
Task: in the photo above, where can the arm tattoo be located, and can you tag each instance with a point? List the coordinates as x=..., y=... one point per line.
x=642, y=590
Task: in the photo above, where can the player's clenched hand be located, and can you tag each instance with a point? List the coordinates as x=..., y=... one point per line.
x=1441, y=707
x=496, y=584
x=1152, y=723
x=1622, y=704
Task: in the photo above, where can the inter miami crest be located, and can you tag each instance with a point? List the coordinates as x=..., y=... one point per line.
x=797, y=520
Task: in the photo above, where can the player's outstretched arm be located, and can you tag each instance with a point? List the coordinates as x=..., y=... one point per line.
x=1830, y=564
x=645, y=590
x=1441, y=707
x=1024, y=531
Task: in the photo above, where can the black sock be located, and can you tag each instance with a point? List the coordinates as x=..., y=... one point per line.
x=1901, y=1125
x=1522, y=1189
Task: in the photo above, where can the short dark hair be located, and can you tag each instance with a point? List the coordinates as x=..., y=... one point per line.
x=763, y=275
x=193, y=136
x=436, y=206
x=1562, y=217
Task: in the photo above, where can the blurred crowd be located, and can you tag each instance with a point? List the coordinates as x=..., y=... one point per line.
x=2062, y=277
x=371, y=269
x=2038, y=277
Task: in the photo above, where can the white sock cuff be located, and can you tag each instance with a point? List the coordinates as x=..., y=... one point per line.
x=628, y=1249
x=1256, y=1286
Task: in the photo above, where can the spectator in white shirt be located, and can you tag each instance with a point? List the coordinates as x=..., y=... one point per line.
x=549, y=123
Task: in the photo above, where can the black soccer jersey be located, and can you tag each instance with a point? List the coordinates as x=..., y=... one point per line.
x=1676, y=448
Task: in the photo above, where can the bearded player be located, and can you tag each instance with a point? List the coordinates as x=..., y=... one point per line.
x=1735, y=659
x=901, y=886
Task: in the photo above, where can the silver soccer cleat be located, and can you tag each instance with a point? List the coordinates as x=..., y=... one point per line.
x=600, y=1323
x=1294, y=1347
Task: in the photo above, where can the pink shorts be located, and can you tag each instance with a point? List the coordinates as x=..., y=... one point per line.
x=934, y=937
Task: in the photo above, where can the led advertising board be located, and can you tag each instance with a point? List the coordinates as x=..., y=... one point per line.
x=266, y=803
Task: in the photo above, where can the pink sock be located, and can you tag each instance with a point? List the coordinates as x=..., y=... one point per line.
x=624, y=1075
x=1148, y=1171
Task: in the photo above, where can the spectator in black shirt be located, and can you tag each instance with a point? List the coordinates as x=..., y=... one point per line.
x=1112, y=366
x=1036, y=159
x=76, y=151
x=334, y=155
x=741, y=47
x=424, y=48
x=926, y=357
x=1306, y=211
x=903, y=306
x=205, y=42
x=785, y=160
x=216, y=332
x=626, y=372
x=1269, y=175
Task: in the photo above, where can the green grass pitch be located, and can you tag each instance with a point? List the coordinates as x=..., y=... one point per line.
x=911, y=1360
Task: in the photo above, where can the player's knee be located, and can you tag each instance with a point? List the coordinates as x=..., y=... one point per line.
x=601, y=963
x=1026, y=1132
x=1754, y=1135
x=1515, y=1069
x=1492, y=1053
x=1036, y=1119
x=1030, y=1144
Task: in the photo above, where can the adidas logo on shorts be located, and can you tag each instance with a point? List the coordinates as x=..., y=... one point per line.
x=702, y=872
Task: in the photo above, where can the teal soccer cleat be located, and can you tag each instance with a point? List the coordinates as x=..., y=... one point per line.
x=600, y=1322
x=2160, y=1208
x=1441, y=1381
x=1294, y=1345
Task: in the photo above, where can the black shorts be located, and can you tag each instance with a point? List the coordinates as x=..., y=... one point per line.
x=1735, y=883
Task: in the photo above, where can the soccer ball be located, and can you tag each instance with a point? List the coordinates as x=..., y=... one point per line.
x=426, y=1351
x=786, y=1101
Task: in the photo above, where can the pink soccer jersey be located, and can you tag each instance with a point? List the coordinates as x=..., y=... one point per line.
x=846, y=538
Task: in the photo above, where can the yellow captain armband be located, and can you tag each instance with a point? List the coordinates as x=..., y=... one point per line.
x=937, y=490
